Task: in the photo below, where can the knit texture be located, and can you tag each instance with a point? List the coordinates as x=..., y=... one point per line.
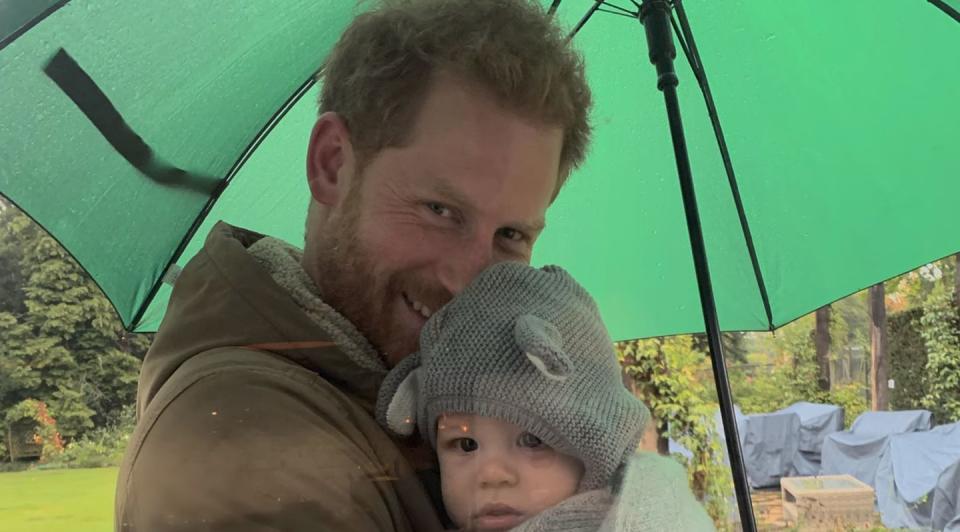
x=526, y=346
x=584, y=512
x=654, y=496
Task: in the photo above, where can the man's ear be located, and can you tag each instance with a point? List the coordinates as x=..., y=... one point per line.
x=330, y=160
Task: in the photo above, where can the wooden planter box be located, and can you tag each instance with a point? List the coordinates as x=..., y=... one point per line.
x=827, y=502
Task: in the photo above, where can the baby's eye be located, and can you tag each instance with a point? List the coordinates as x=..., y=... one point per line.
x=467, y=445
x=529, y=440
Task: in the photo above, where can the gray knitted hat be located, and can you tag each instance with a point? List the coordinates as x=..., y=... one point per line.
x=526, y=346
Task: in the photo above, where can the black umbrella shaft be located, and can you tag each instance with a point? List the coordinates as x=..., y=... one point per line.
x=709, y=310
x=655, y=16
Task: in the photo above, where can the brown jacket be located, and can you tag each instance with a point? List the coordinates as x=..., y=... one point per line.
x=256, y=414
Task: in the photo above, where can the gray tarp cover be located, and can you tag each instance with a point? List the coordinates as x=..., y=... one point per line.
x=857, y=451
x=945, y=500
x=908, y=473
x=770, y=443
x=767, y=454
x=816, y=422
x=805, y=464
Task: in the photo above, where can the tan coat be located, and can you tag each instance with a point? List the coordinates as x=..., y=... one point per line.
x=250, y=417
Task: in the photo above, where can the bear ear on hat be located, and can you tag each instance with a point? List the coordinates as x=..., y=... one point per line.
x=542, y=344
x=398, y=406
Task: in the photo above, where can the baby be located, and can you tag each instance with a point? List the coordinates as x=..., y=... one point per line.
x=518, y=389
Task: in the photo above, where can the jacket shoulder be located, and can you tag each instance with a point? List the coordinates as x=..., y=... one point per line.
x=240, y=437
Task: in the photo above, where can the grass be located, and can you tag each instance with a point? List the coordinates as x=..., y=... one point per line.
x=79, y=500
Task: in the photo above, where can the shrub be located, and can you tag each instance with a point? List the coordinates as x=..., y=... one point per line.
x=664, y=375
x=100, y=447
x=785, y=383
x=765, y=389
x=852, y=399
x=908, y=360
x=940, y=329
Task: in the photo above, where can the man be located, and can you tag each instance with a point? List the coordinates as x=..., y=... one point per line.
x=447, y=128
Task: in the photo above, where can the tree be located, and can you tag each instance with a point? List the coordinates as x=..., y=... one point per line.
x=785, y=369
x=11, y=280
x=664, y=375
x=940, y=328
x=62, y=342
x=878, y=349
x=822, y=345
x=734, y=348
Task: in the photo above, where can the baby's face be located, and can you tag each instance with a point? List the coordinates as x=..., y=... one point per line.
x=496, y=476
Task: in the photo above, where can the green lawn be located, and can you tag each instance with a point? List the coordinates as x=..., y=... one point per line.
x=79, y=500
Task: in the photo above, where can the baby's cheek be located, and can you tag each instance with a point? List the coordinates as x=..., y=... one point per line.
x=544, y=459
x=544, y=497
x=458, y=498
x=554, y=480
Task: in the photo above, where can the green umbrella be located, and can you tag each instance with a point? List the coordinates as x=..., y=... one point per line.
x=130, y=127
x=842, y=129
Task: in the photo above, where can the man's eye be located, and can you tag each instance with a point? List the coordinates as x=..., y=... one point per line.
x=439, y=210
x=511, y=234
x=529, y=440
x=467, y=445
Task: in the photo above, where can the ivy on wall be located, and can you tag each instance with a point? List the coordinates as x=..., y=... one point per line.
x=662, y=372
x=908, y=360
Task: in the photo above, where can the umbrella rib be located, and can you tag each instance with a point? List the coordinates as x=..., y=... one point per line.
x=65, y=249
x=593, y=9
x=683, y=46
x=553, y=7
x=63, y=70
x=951, y=12
x=31, y=23
x=244, y=157
x=700, y=73
x=598, y=6
x=612, y=12
x=621, y=10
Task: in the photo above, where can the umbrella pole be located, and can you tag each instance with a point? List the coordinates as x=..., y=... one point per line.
x=655, y=17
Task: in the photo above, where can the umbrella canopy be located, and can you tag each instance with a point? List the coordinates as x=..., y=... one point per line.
x=841, y=126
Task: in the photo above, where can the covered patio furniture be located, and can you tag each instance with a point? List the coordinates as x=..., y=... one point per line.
x=817, y=421
x=857, y=451
x=908, y=473
x=770, y=442
x=946, y=500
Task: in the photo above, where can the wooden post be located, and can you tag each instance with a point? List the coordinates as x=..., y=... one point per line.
x=878, y=349
x=956, y=281
x=10, y=442
x=822, y=343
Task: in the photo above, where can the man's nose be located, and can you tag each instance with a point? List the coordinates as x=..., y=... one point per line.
x=496, y=471
x=463, y=261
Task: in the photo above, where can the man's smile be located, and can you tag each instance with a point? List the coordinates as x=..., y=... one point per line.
x=417, y=306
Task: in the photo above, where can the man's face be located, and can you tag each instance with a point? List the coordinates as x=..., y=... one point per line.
x=470, y=188
x=494, y=475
